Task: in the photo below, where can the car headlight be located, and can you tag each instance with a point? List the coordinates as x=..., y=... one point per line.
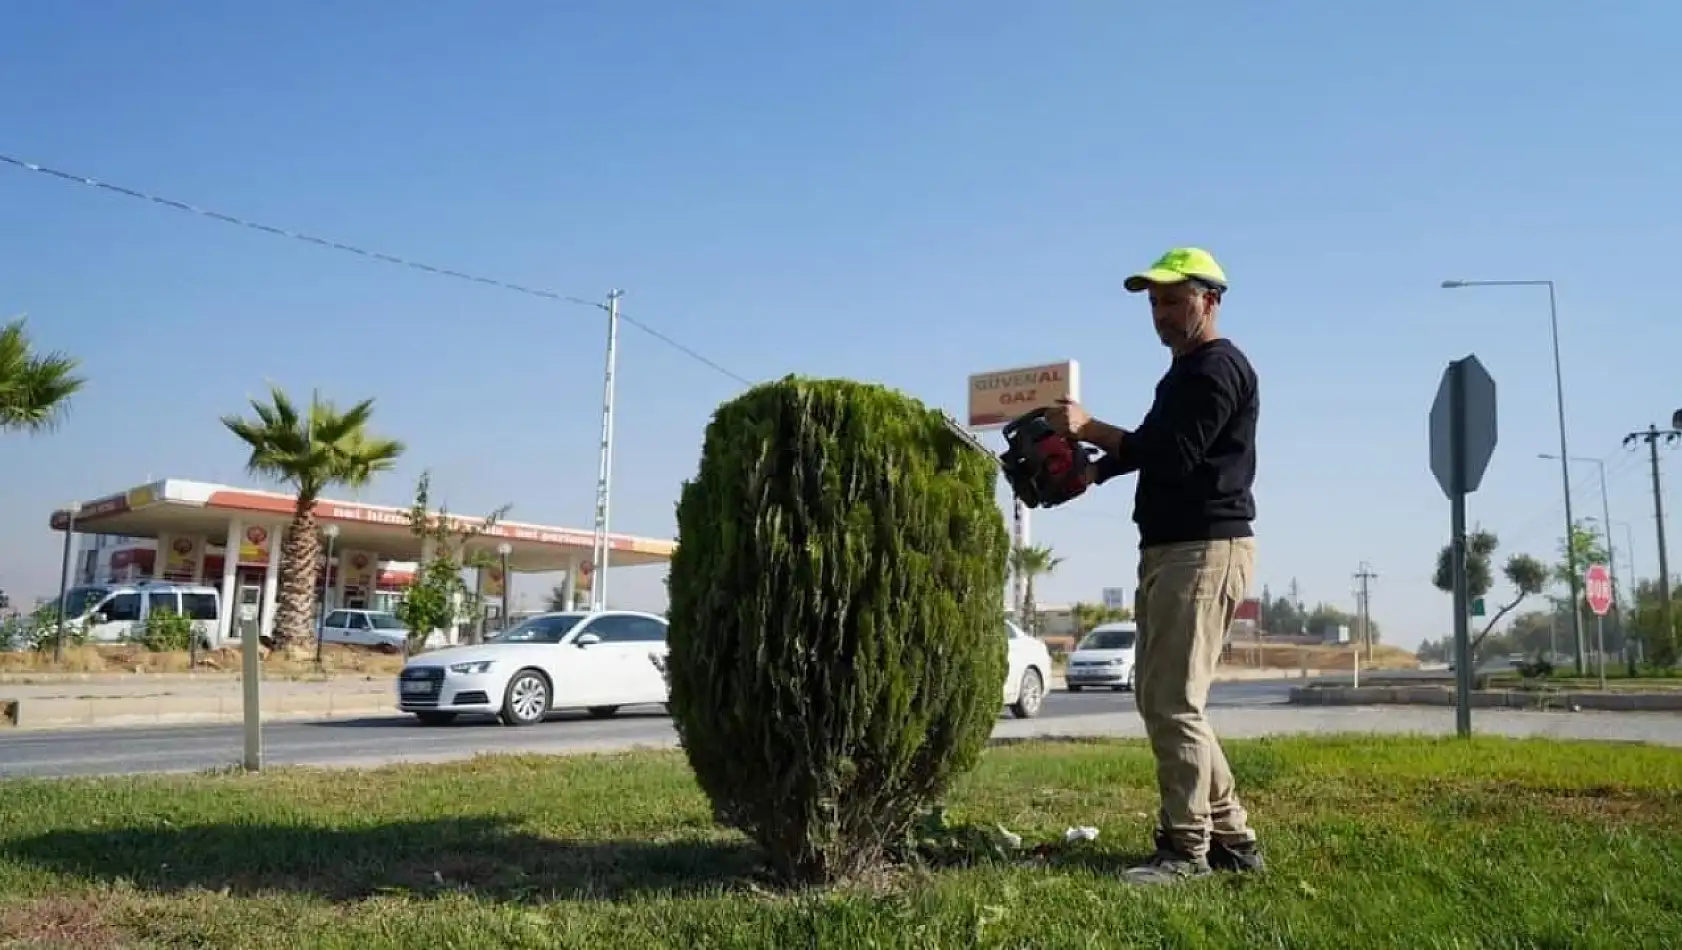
x=469, y=669
x=1118, y=662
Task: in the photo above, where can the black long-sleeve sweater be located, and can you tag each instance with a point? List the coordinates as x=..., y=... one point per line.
x=1195, y=451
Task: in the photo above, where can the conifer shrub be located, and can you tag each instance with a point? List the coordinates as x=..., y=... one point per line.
x=837, y=644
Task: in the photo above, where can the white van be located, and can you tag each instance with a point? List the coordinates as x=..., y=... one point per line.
x=1104, y=658
x=112, y=613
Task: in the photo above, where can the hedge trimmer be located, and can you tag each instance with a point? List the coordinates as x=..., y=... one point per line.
x=1043, y=468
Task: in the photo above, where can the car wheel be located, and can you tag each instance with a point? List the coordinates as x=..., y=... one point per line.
x=602, y=712
x=526, y=700
x=1030, y=696
x=1130, y=673
x=436, y=718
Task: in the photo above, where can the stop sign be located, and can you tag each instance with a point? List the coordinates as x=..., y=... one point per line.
x=1597, y=589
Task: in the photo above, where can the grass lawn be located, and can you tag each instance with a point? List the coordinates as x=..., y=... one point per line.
x=1374, y=842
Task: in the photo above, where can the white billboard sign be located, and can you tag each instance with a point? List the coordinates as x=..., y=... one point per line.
x=999, y=396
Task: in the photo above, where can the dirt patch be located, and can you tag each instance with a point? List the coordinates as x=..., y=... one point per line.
x=86, y=922
x=293, y=663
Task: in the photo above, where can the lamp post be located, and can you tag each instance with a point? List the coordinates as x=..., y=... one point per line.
x=1564, y=451
x=332, y=533
x=1605, y=528
x=64, y=579
x=504, y=550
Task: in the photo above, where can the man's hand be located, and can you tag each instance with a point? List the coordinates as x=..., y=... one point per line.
x=1069, y=418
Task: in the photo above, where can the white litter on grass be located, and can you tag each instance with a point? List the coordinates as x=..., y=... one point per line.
x=1083, y=833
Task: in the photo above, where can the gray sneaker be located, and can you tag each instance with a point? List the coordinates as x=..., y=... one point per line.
x=1243, y=858
x=1168, y=865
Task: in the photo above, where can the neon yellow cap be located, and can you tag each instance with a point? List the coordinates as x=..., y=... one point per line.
x=1179, y=264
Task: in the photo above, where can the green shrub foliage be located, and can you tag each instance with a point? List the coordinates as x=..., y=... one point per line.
x=837, y=645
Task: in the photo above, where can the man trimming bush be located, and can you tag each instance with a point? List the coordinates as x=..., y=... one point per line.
x=1196, y=460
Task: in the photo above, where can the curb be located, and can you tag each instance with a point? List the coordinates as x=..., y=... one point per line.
x=1486, y=699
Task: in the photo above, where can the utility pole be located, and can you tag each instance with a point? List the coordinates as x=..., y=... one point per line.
x=1296, y=601
x=1365, y=576
x=1652, y=437
x=604, y=472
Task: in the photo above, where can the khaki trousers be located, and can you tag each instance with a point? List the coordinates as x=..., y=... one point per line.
x=1186, y=599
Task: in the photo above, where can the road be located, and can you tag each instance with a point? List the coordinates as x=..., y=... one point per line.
x=384, y=740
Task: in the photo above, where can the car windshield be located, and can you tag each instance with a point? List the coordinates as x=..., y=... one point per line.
x=1108, y=640
x=79, y=599
x=548, y=628
x=385, y=622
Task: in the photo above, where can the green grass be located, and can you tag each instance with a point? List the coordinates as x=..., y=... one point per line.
x=1374, y=842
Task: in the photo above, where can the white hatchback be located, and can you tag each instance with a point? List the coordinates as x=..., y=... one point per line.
x=597, y=661
x=1104, y=658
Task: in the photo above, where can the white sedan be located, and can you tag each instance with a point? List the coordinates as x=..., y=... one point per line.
x=1029, y=672
x=598, y=661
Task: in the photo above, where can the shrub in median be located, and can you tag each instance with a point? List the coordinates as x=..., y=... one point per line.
x=166, y=632
x=837, y=654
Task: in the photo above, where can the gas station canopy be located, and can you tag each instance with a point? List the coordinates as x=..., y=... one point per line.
x=177, y=507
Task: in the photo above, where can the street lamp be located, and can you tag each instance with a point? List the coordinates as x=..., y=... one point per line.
x=1564, y=452
x=504, y=549
x=332, y=533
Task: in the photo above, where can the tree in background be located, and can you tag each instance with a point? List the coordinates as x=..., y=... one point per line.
x=438, y=594
x=35, y=390
x=1325, y=619
x=309, y=451
x=1087, y=616
x=1658, y=645
x=1588, y=546
x=1280, y=616
x=1527, y=575
x=557, y=600
x=1031, y=562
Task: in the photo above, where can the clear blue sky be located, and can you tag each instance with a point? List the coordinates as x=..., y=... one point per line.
x=901, y=192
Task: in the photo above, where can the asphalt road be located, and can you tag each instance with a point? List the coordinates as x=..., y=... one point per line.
x=382, y=740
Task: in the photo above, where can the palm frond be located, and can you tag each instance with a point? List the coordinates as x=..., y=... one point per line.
x=35, y=390
x=313, y=449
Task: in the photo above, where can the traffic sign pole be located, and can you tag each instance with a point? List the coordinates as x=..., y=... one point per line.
x=1463, y=437
x=1457, y=524
x=1597, y=590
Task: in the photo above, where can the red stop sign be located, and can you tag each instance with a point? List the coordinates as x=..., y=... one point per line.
x=1597, y=589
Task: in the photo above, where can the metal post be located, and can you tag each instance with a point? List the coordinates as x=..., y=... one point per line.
x=64, y=580
x=1457, y=528
x=1600, y=647
x=251, y=670
x=604, y=473
x=332, y=532
x=1669, y=630
x=1565, y=481
x=504, y=550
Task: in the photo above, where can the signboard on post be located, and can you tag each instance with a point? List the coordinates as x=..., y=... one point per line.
x=1597, y=590
x=1463, y=437
x=999, y=396
x=1114, y=598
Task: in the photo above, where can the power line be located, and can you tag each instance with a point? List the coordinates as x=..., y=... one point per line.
x=1616, y=471
x=333, y=245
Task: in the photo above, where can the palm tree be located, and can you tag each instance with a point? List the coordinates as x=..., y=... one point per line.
x=308, y=451
x=1029, y=562
x=35, y=390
